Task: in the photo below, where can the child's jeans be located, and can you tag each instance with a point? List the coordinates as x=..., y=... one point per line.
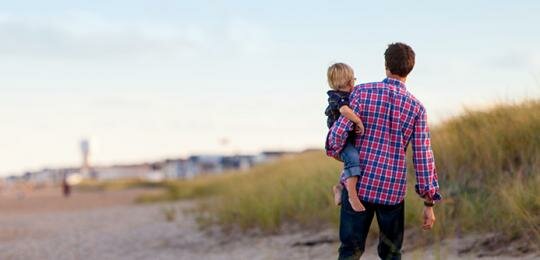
x=351, y=160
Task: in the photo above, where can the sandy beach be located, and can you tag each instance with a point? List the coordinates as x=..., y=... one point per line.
x=108, y=225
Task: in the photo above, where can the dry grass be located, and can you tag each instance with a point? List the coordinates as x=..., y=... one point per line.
x=295, y=189
x=488, y=164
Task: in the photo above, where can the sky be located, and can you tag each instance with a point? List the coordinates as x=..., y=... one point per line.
x=149, y=80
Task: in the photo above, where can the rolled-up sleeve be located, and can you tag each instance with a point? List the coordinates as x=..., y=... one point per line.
x=427, y=185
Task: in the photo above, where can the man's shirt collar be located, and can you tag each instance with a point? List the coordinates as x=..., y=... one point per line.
x=395, y=82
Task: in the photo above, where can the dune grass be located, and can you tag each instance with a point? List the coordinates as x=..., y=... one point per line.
x=488, y=164
x=295, y=189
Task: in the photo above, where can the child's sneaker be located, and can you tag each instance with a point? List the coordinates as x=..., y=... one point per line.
x=336, y=189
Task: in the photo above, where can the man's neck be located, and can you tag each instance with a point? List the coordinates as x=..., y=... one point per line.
x=396, y=77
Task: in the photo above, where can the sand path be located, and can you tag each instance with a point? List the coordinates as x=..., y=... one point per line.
x=107, y=225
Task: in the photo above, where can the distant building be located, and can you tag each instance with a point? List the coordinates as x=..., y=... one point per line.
x=206, y=163
x=167, y=169
x=238, y=162
x=137, y=171
x=86, y=169
x=46, y=176
x=179, y=169
x=267, y=156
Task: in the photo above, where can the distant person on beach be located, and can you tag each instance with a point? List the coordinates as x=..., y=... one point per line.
x=66, y=188
x=341, y=80
x=393, y=118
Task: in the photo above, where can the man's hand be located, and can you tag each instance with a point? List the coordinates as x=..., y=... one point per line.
x=429, y=218
x=359, y=128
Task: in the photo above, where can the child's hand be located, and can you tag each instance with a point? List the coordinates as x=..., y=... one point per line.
x=359, y=129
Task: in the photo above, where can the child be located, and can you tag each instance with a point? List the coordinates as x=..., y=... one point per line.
x=341, y=80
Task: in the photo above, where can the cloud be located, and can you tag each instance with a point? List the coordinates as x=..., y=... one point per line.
x=247, y=37
x=513, y=60
x=89, y=36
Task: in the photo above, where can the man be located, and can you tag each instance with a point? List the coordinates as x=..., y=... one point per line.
x=392, y=118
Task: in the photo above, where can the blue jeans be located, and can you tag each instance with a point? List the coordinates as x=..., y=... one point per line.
x=351, y=160
x=354, y=228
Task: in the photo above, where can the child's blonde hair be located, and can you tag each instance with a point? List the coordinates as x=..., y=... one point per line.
x=339, y=76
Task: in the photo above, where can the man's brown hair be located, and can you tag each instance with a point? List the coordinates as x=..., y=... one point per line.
x=399, y=59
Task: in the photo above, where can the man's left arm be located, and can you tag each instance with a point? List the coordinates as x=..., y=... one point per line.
x=427, y=185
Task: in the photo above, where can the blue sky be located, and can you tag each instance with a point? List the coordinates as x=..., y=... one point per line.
x=146, y=80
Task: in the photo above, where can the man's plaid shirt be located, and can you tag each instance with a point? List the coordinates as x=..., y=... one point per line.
x=393, y=118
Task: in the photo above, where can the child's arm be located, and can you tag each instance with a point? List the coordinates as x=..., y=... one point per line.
x=347, y=112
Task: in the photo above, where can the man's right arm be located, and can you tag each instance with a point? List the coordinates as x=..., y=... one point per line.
x=340, y=130
x=347, y=112
x=338, y=136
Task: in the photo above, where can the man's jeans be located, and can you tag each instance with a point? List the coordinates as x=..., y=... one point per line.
x=354, y=227
x=351, y=160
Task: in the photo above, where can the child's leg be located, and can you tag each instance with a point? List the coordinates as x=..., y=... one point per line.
x=351, y=161
x=350, y=185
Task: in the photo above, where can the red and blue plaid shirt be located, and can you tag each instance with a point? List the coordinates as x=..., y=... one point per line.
x=392, y=118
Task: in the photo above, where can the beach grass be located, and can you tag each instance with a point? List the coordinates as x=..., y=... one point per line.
x=489, y=171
